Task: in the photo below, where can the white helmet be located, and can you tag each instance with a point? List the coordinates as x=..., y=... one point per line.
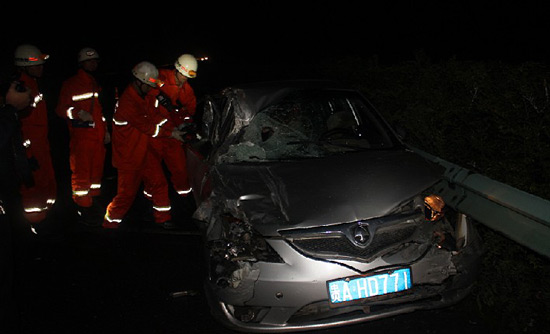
x=147, y=73
x=29, y=55
x=87, y=54
x=187, y=65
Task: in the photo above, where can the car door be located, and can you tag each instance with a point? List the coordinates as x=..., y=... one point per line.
x=198, y=153
x=217, y=118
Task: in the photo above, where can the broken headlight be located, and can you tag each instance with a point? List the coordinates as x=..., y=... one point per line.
x=242, y=243
x=239, y=244
x=433, y=207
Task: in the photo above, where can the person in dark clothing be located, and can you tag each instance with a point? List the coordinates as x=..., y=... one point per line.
x=14, y=171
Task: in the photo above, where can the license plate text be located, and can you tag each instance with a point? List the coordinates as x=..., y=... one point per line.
x=355, y=288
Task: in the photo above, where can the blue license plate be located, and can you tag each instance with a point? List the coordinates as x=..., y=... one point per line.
x=360, y=287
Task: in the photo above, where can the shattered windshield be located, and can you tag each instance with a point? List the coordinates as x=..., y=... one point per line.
x=309, y=124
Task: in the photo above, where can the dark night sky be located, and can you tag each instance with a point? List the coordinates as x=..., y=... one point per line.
x=282, y=36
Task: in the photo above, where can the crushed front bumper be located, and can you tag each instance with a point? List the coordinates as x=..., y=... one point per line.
x=292, y=296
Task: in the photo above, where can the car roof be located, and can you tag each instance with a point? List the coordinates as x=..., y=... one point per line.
x=253, y=97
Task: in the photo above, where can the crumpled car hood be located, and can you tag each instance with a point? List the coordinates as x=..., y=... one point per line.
x=332, y=190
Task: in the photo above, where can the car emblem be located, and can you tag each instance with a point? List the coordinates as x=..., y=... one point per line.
x=361, y=235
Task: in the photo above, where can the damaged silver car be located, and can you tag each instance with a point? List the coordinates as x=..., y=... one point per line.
x=316, y=215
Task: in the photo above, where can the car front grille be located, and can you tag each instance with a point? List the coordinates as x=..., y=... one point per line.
x=337, y=242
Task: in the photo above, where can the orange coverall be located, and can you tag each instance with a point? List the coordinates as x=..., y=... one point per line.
x=132, y=130
x=38, y=199
x=169, y=150
x=87, y=148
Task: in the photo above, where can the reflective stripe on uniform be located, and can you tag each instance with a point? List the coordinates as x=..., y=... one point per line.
x=120, y=123
x=111, y=220
x=70, y=113
x=184, y=192
x=81, y=193
x=157, y=127
x=85, y=96
x=162, y=208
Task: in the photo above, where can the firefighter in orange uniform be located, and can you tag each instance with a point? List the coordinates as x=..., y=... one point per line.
x=177, y=88
x=79, y=104
x=40, y=198
x=132, y=130
x=176, y=102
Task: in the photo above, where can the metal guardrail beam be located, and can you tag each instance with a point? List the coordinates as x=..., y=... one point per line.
x=520, y=216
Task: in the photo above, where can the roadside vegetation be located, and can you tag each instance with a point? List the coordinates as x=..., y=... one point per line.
x=492, y=118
